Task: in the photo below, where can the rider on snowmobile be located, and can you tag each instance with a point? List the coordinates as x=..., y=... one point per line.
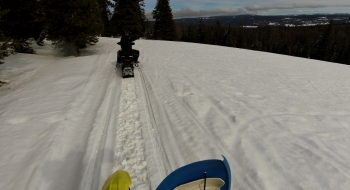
x=126, y=43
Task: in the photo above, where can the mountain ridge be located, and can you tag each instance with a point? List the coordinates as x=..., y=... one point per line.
x=266, y=20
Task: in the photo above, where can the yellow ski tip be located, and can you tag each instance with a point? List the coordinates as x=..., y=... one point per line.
x=120, y=180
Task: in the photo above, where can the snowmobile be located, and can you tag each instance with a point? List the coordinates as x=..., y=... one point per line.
x=203, y=175
x=126, y=62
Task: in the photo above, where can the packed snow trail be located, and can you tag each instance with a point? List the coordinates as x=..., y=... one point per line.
x=129, y=147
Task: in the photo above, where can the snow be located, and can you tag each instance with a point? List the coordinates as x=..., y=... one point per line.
x=69, y=122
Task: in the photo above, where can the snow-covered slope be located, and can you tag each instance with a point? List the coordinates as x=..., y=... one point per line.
x=69, y=122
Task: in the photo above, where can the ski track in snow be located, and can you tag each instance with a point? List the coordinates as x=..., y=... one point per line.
x=129, y=147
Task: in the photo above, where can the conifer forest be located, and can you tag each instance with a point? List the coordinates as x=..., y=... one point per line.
x=325, y=42
x=73, y=25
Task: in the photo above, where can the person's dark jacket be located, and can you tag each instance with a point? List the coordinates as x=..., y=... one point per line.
x=126, y=43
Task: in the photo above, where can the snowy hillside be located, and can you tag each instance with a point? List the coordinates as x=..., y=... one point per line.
x=69, y=122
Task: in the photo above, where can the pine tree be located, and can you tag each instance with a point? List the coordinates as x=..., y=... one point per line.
x=72, y=25
x=105, y=12
x=241, y=37
x=344, y=55
x=148, y=30
x=114, y=22
x=209, y=35
x=323, y=46
x=6, y=47
x=128, y=15
x=183, y=36
x=142, y=16
x=227, y=37
x=218, y=34
x=189, y=33
x=164, y=25
x=331, y=45
x=21, y=22
x=201, y=32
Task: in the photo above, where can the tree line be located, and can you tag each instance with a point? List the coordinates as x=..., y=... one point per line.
x=73, y=25
x=326, y=42
x=70, y=25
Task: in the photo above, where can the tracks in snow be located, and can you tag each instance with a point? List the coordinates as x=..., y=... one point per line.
x=158, y=161
x=115, y=141
x=129, y=145
x=119, y=139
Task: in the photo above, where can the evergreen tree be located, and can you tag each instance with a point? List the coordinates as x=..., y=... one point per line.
x=201, y=32
x=105, y=12
x=192, y=33
x=148, y=30
x=227, y=37
x=142, y=16
x=241, y=37
x=331, y=41
x=6, y=47
x=209, y=35
x=113, y=22
x=21, y=22
x=218, y=34
x=164, y=25
x=128, y=15
x=72, y=25
x=189, y=33
x=183, y=33
x=346, y=55
x=323, y=46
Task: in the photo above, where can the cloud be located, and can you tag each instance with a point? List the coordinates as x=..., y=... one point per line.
x=188, y=13
x=215, y=12
x=256, y=8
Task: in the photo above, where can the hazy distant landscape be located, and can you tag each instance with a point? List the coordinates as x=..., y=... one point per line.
x=322, y=37
x=281, y=20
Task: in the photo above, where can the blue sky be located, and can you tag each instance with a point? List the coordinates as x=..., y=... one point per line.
x=199, y=8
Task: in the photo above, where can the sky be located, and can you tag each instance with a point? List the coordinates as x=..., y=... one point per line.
x=200, y=8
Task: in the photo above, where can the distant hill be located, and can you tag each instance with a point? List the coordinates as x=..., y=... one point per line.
x=256, y=20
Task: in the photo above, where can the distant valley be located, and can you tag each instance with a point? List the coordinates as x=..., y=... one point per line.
x=256, y=20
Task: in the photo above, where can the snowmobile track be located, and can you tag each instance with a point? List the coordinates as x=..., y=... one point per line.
x=129, y=145
x=152, y=126
x=102, y=125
